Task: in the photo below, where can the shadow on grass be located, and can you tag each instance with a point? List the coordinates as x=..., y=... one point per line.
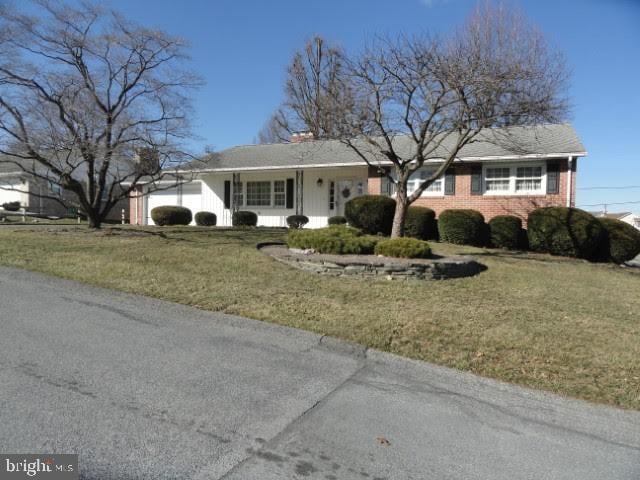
x=529, y=256
x=213, y=235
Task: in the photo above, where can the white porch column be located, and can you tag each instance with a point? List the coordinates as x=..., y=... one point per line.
x=569, y=179
x=299, y=192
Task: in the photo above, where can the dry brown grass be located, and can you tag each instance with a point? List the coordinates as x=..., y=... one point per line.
x=557, y=324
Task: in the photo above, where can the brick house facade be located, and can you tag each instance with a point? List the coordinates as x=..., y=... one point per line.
x=490, y=205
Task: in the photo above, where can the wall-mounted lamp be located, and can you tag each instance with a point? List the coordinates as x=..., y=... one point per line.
x=319, y=182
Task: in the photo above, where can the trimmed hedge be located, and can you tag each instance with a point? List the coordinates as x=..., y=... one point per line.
x=206, y=219
x=171, y=215
x=462, y=227
x=403, y=248
x=569, y=232
x=243, y=218
x=337, y=220
x=506, y=232
x=372, y=214
x=297, y=221
x=420, y=223
x=11, y=206
x=336, y=239
x=620, y=241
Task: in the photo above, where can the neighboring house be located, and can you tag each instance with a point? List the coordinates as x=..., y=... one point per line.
x=30, y=192
x=510, y=171
x=627, y=217
x=17, y=185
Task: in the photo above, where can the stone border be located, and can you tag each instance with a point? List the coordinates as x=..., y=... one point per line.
x=374, y=266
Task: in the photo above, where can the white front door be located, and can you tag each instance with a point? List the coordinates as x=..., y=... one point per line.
x=345, y=190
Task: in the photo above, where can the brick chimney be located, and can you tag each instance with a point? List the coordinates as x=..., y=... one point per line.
x=299, y=137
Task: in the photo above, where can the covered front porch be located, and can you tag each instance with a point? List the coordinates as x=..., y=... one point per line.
x=273, y=194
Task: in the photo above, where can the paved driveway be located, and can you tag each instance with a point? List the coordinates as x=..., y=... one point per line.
x=142, y=388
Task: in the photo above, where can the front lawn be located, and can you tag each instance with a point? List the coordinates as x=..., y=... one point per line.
x=552, y=323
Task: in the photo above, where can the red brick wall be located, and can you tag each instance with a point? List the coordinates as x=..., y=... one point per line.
x=488, y=205
x=374, y=182
x=136, y=213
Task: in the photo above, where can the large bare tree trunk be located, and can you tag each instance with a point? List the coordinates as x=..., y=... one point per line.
x=94, y=222
x=397, y=230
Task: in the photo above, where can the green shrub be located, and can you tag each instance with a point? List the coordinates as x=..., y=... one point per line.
x=244, y=218
x=420, y=223
x=564, y=231
x=620, y=241
x=11, y=206
x=171, y=215
x=337, y=220
x=297, y=221
x=506, y=232
x=336, y=239
x=403, y=248
x=462, y=227
x=372, y=214
x=206, y=219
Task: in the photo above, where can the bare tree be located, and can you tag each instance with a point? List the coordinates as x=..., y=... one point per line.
x=275, y=130
x=425, y=98
x=91, y=102
x=314, y=91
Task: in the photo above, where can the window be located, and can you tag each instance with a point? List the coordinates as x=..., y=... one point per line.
x=497, y=179
x=436, y=188
x=258, y=194
x=528, y=179
x=264, y=193
x=55, y=189
x=523, y=179
x=279, y=194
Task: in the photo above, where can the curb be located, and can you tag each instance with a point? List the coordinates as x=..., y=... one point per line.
x=343, y=347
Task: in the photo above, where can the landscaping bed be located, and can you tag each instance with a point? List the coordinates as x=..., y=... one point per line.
x=373, y=266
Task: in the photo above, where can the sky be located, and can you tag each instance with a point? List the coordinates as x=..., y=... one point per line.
x=242, y=48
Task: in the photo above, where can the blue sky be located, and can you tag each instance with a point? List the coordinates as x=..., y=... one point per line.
x=242, y=48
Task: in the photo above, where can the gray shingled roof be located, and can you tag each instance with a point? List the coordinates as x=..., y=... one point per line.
x=514, y=141
x=8, y=166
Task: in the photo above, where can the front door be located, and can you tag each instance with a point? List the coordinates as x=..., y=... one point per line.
x=345, y=190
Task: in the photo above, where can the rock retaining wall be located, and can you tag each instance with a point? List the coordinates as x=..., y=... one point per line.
x=373, y=266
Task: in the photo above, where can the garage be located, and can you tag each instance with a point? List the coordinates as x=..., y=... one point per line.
x=192, y=197
x=159, y=199
x=188, y=195
x=8, y=195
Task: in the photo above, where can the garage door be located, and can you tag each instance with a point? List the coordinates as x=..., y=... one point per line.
x=159, y=199
x=7, y=195
x=192, y=197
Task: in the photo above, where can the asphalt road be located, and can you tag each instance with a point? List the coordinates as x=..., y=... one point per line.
x=141, y=388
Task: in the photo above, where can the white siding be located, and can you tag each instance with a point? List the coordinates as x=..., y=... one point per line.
x=213, y=197
x=7, y=195
x=210, y=197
